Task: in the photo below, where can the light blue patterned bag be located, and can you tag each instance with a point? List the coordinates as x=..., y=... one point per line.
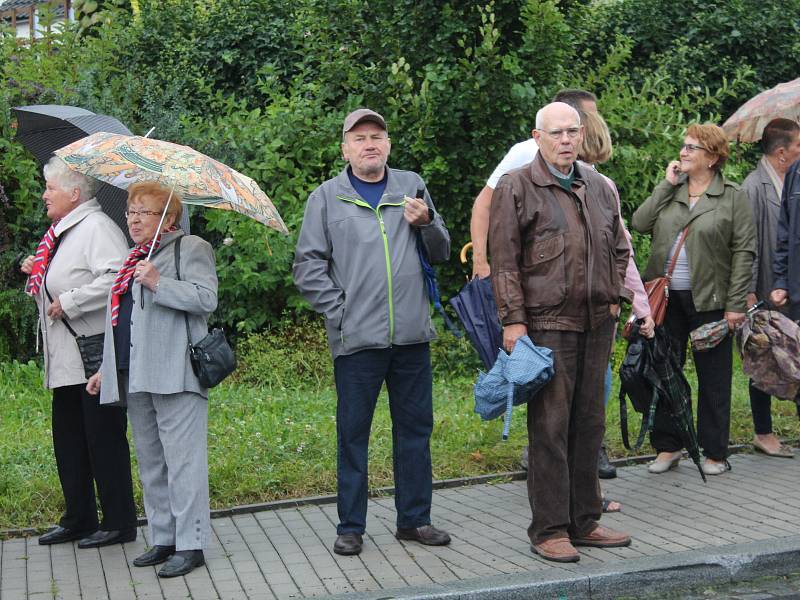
x=513, y=380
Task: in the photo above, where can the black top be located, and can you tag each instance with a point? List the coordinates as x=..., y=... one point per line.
x=122, y=332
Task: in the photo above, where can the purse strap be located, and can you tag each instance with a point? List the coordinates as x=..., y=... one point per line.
x=46, y=291
x=674, y=260
x=178, y=276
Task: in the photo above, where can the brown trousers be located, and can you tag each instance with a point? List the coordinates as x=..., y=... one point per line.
x=566, y=423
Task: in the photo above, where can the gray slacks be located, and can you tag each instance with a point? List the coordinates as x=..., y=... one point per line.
x=170, y=435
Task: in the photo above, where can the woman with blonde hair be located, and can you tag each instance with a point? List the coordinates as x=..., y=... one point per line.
x=154, y=312
x=704, y=222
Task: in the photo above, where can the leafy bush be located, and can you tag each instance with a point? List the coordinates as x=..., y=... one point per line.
x=700, y=43
x=263, y=85
x=287, y=356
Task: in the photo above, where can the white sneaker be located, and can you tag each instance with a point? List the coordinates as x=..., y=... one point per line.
x=662, y=466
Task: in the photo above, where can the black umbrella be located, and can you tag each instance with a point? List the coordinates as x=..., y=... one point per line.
x=44, y=128
x=477, y=311
x=674, y=393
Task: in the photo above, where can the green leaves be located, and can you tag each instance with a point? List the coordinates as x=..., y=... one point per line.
x=263, y=85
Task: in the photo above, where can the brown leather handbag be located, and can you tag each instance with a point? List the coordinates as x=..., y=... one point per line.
x=658, y=289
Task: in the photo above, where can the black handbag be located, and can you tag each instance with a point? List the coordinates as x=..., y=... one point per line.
x=89, y=346
x=212, y=358
x=637, y=383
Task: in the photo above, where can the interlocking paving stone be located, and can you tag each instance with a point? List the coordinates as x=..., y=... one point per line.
x=287, y=553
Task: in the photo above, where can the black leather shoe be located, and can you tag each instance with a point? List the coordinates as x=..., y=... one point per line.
x=155, y=556
x=182, y=563
x=427, y=534
x=348, y=544
x=59, y=535
x=106, y=538
x=605, y=470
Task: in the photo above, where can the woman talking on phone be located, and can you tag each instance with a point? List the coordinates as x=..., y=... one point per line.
x=706, y=220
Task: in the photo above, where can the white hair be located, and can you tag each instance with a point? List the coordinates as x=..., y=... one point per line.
x=59, y=174
x=541, y=111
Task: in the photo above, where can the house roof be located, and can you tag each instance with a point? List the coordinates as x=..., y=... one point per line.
x=22, y=6
x=18, y=4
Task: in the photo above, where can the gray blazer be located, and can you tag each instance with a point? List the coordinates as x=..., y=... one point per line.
x=159, y=360
x=766, y=209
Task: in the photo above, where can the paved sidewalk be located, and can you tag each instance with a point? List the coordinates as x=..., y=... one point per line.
x=744, y=523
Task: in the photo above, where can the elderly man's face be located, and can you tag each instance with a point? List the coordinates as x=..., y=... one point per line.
x=560, y=137
x=366, y=147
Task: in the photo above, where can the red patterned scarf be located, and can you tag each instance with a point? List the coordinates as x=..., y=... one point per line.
x=123, y=280
x=44, y=252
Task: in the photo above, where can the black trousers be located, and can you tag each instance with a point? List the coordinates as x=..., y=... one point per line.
x=714, y=373
x=761, y=406
x=91, y=448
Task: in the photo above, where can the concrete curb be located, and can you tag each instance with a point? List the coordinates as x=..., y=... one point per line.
x=637, y=578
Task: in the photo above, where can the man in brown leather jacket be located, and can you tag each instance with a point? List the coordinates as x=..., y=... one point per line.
x=558, y=264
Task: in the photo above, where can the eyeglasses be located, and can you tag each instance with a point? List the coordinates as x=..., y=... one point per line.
x=557, y=134
x=692, y=147
x=130, y=214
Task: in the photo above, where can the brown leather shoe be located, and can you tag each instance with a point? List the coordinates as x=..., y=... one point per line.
x=603, y=537
x=556, y=549
x=427, y=534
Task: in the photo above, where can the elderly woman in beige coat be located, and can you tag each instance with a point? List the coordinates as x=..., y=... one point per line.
x=69, y=278
x=153, y=314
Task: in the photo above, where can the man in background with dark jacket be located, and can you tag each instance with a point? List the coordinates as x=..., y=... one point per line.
x=558, y=261
x=764, y=187
x=786, y=267
x=357, y=263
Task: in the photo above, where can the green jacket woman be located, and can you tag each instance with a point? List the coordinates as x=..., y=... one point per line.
x=710, y=281
x=720, y=243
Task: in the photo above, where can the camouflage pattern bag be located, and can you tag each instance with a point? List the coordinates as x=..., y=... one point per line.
x=769, y=342
x=709, y=336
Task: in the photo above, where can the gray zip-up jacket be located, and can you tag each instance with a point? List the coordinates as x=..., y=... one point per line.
x=359, y=266
x=766, y=207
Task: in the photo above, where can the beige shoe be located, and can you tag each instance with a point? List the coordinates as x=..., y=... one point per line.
x=662, y=466
x=783, y=450
x=716, y=468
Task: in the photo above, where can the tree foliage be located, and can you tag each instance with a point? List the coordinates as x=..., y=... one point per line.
x=263, y=85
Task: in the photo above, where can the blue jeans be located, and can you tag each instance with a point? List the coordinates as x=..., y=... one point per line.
x=359, y=377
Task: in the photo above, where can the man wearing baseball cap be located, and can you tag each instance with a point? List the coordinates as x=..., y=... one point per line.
x=357, y=263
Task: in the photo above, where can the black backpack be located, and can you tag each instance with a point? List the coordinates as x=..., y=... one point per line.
x=637, y=379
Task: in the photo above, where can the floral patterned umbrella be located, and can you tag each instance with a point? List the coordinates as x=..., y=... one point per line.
x=123, y=160
x=747, y=123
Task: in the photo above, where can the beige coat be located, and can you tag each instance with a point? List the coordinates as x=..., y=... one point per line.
x=90, y=252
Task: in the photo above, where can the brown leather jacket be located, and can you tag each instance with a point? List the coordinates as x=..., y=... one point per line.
x=558, y=258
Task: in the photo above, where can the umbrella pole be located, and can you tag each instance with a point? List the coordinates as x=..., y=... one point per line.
x=160, y=224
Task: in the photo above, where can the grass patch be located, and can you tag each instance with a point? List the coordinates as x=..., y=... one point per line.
x=274, y=438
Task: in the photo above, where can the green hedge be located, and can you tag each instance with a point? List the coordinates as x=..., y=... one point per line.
x=263, y=85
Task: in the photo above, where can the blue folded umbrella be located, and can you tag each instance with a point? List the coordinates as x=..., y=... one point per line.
x=513, y=380
x=477, y=311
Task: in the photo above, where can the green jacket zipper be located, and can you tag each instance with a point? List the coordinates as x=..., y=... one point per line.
x=387, y=256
